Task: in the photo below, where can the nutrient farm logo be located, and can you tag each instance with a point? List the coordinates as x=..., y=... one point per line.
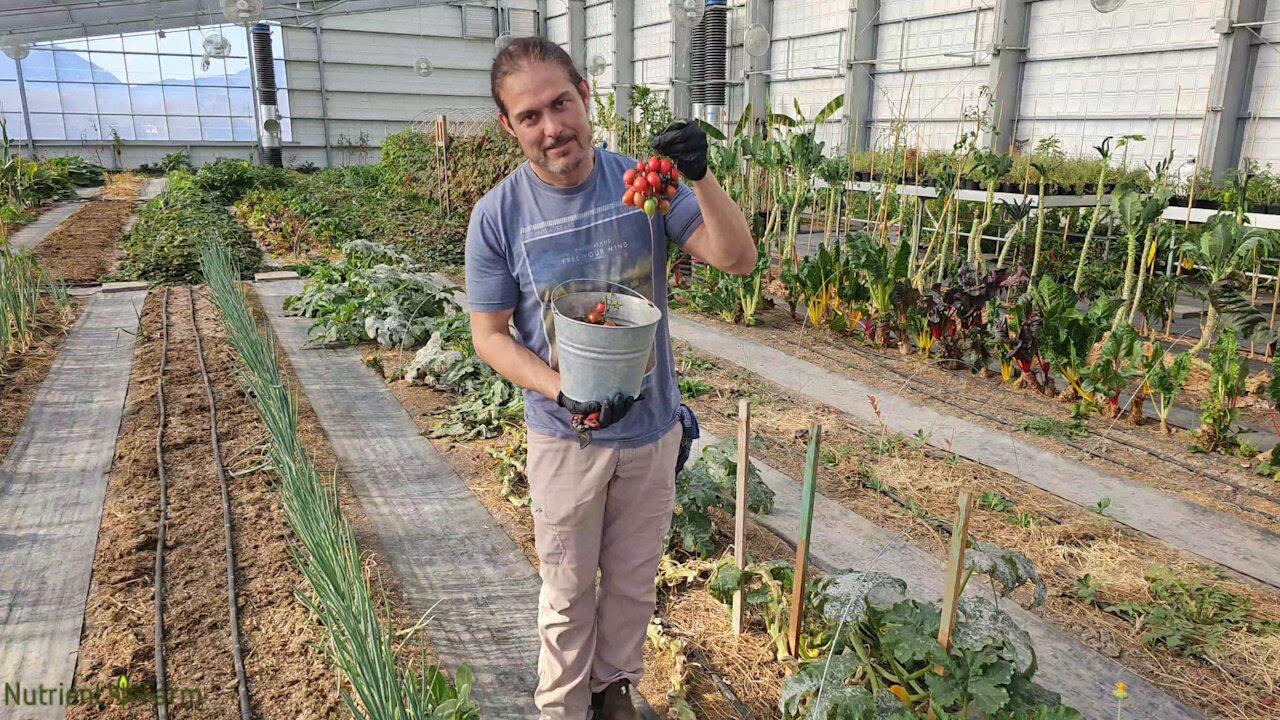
x=121, y=693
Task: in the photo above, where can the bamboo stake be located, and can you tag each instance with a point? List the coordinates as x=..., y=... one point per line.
x=802, y=539
x=740, y=506
x=955, y=571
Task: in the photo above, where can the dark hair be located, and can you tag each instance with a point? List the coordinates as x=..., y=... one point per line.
x=525, y=50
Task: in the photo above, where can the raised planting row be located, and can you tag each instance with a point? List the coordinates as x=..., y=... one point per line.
x=81, y=250
x=164, y=245
x=359, y=641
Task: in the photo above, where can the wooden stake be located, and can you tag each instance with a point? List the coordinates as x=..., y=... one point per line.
x=955, y=571
x=802, y=539
x=740, y=505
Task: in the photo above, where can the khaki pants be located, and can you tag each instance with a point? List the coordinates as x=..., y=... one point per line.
x=605, y=509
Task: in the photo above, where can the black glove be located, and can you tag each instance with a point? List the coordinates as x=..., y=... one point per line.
x=594, y=415
x=686, y=144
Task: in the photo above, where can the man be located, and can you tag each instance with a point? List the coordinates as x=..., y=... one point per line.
x=605, y=507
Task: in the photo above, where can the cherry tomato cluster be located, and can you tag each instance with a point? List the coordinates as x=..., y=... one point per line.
x=597, y=316
x=651, y=186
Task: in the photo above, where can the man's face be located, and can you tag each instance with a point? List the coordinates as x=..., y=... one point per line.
x=547, y=115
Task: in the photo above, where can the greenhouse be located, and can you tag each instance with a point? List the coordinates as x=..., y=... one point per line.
x=668, y=359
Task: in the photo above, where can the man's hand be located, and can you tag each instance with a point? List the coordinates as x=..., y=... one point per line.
x=594, y=415
x=686, y=144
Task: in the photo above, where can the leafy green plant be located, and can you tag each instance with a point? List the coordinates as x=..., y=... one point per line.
x=711, y=482
x=1165, y=381
x=1224, y=249
x=1119, y=361
x=375, y=293
x=1047, y=427
x=1227, y=375
x=1189, y=615
x=694, y=388
x=885, y=654
x=164, y=245
x=29, y=300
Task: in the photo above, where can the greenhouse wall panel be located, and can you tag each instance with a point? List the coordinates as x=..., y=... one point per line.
x=1061, y=28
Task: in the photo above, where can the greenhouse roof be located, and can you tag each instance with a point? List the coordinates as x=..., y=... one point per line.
x=36, y=20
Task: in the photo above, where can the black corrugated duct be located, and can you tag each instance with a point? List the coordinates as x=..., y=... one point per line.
x=697, y=71
x=715, y=26
x=264, y=68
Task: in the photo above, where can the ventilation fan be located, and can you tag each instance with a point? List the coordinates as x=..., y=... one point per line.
x=1106, y=6
x=503, y=41
x=217, y=46
x=687, y=13
x=242, y=11
x=756, y=40
x=597, y=65
x=423, y=67
x=15, y=47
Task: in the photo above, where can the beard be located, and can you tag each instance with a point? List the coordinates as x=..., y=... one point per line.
x=563, y=165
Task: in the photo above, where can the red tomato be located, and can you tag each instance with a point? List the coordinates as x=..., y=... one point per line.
x=665, y=167
x=671, y=192
x=675, y=174
x=641, y=185
x=628, y=197
x=629, y=176
x=654, y=180
x=654, y=163
x=640, y=166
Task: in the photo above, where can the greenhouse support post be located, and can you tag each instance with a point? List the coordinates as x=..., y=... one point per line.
x=802, y=539
x=1229, y=85
x=759, y=11
x=860, y=54
x=1008, y=50
x=955, y=571
x=740, y=505
x=624, y=68
x=577, y=19
x=26, y=109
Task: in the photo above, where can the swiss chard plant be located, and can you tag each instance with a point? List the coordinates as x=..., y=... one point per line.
x=1165, y=380
x=1118, y=362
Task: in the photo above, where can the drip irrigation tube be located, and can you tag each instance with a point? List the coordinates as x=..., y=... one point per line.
x=237, y=652
x=162, y=712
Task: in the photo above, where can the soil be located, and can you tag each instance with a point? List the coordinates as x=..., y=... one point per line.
x=22, y=373
x=1066, y=543
x=82, y=249
x=288, y=673
x=1139, y=454
x=687, y=612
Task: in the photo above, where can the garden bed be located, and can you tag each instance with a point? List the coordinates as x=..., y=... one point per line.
x=82, y=249
x=900, y=485
x=288, y=673
x=1141, y=454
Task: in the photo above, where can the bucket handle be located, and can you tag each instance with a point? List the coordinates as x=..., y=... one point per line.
x=557, y=294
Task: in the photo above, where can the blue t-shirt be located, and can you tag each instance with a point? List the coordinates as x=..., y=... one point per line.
x=526, y=237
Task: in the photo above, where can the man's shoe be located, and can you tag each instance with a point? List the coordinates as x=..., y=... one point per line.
x=614, y=703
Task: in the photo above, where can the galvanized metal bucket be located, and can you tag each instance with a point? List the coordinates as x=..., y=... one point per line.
x=596, y=361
